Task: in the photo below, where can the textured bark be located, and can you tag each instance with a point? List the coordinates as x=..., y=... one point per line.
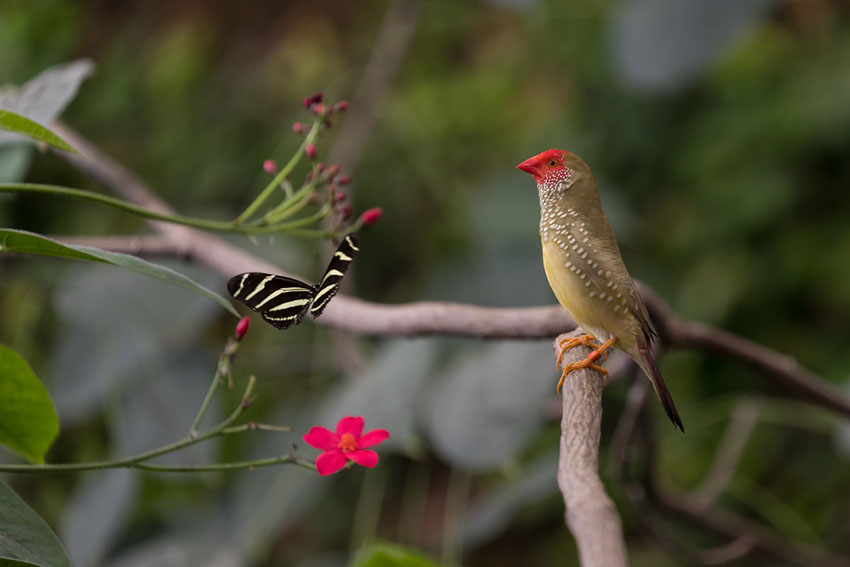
x=590, y=514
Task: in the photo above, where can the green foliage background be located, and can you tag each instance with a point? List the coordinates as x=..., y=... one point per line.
x=724, y=161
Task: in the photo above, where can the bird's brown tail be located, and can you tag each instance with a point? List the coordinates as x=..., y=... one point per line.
x=647, y=363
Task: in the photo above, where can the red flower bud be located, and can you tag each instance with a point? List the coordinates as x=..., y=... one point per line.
x=242, y=327
x=339, y=197
x=345, y=211
x=298, y=128
x=371, y=216
x=344, y=180
x=311, y=151
x=311, y=100
x=320, y=167
x=341, y=106
x=270, y=166
x=333, y=169
x=317, y=109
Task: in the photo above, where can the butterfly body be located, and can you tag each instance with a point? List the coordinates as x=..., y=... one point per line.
x=283, y=301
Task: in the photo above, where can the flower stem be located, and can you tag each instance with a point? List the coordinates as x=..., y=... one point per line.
x=292, y=205
x=222, y=369
x=226, y=427
x=222, y=226
x=267, y=462
x=282, y=174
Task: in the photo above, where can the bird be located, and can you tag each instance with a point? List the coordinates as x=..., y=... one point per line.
x=586, y=272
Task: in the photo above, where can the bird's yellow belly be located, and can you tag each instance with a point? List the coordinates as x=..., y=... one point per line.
x=572, y=292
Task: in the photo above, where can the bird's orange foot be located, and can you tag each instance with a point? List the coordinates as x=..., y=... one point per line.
x=598, y=351
x=567, y=344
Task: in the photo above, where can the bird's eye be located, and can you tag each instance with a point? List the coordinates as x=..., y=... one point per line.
x=551, y=163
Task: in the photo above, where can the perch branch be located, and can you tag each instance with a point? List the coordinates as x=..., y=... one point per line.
x=590, y=514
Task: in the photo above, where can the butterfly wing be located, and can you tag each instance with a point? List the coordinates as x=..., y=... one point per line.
x=329, y=284
x=281, y=301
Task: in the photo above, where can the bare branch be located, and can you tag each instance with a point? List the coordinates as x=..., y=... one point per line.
x=431, y=318
x=647, y=497
x=590, y=514
x=734, y=526
x=799, y=382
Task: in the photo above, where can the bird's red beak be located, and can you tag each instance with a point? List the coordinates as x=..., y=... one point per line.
x=532, y=166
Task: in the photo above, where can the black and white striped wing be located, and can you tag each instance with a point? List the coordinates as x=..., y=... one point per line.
x=281, y=301
x=329, y=284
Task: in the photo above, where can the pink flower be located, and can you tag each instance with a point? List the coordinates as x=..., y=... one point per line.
x=270, y=167
x=311, y=151
x=242, y=327
x=298, y=128
x=371, y=216
x=347, y=444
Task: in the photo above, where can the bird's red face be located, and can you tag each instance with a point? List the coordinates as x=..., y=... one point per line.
x=548, y=167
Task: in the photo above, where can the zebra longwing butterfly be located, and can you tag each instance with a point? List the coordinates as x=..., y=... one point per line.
x=284, y=301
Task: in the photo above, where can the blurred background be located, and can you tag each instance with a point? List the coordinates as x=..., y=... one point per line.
x=719, y=133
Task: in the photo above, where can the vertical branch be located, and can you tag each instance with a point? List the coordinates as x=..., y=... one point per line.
x=590, y=514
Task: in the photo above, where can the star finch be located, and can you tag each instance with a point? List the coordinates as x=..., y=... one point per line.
x=586, y=271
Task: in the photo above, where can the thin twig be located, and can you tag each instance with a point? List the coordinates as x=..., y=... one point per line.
x=635, y=400
x=735, y=526
x=738, y=432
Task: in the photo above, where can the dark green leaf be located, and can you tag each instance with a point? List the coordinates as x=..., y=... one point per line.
x=45, y=96
x=30, y=243
x=22, y=125
x=25, y=536
x=28, y=422
x=6, y=562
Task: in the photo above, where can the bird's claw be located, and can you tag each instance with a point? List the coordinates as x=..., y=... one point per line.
x=586, y=363
x=589, y=362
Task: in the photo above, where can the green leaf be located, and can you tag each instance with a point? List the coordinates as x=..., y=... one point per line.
x=24, y=536
x=24, y=242
x=22, y=125
x=28, y=422
x=387, y=555
x=6, y=562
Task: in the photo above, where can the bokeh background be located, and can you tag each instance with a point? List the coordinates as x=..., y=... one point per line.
x=719, y=132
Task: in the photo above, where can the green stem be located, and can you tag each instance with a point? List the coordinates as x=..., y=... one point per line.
x=286, y=209
x=223, y=364
x=287, y=169
x=217, y=226
x=137, y=460
x=221, y=226
x=267, y=462
x=318, y=215
x=310, y=233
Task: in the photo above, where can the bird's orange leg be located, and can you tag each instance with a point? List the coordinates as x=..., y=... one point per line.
x=598, y=350
x=571, y=342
